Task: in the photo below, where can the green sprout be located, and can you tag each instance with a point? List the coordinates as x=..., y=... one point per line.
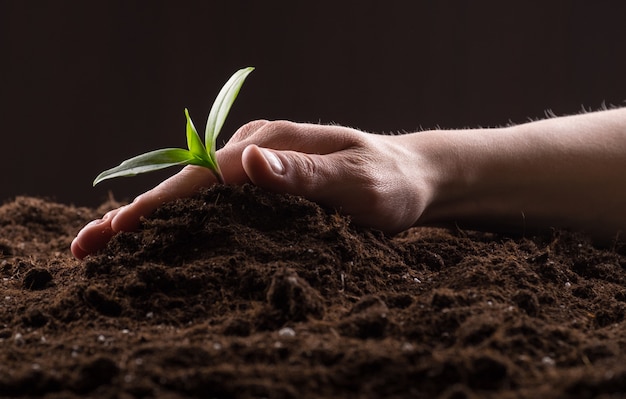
x=197, y=152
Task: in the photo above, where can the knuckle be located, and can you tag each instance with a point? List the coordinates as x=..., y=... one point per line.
x=282, y=133
x=263, y=132
x=247, y=130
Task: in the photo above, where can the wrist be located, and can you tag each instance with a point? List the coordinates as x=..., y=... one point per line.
x=465, y=169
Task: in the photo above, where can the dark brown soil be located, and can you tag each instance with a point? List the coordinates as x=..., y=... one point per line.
x=242, y=293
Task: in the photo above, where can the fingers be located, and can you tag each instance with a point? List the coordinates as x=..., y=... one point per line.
x=283, y=135
x=96, y=234
x=184, y=184
x=301, y=137
x=93, y=236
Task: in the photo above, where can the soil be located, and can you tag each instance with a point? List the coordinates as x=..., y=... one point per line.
x=243, y=293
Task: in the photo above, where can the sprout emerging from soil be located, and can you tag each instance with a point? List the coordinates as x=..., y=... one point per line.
x=198, y=153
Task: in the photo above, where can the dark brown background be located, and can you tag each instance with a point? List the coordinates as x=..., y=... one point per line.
x=84, y=85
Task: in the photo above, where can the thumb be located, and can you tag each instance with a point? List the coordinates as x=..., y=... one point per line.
x=307, y=175
x=340, y=180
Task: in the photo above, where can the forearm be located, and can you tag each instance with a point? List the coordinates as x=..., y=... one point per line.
x=562, y=172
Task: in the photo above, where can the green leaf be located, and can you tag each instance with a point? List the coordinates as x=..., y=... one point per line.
x=198, y=154
x=221, y=107
x=194, y=143
x=148, y=162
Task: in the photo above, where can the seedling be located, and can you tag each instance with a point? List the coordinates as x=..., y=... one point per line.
x=197, y=152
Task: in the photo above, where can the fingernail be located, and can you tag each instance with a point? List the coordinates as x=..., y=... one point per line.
x=273, y=160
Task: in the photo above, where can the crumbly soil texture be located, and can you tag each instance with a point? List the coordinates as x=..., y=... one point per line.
x=241, y=293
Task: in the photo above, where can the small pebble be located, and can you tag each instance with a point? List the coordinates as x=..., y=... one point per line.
x=286, y=332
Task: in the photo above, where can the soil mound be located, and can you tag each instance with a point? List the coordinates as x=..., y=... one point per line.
x=239, y=292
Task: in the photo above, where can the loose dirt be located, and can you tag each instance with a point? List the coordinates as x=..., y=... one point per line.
x=242, y=293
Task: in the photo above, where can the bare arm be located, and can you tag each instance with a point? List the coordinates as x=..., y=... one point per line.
x=560, y=172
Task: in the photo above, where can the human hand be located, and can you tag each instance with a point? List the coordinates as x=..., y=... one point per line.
x=372, y=178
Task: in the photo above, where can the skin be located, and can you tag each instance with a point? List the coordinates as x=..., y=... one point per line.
x=565, y=172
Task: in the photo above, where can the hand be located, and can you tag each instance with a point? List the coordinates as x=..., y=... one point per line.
x=373, y=178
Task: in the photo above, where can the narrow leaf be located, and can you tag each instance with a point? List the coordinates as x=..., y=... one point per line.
x=148, y=162
x=194, y=143
x=221, y=107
